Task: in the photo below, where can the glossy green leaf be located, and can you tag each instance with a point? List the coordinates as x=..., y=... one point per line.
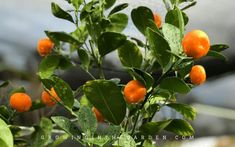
x=172, y=18
x=186, y=110
x=217, y=55
x=59, y=140
x=48, y=65
x=180, y=127
x=130, y=55
x=65, y=63
x=118, y=8
x=110, y=41
x=142, y=76
x=109, y=3
x=68, y=126
x=160, y=48
x=6, y=138
x=140, y=17
x=84, y=58
x=87, y=120
x=62, y=36
x=219, y=47
x=110, y=102
x=60, y=13
x=175, y=85
x=153, y=128
x=172, y=35
x=64, y=92
x=42, y=134
x=118, y=22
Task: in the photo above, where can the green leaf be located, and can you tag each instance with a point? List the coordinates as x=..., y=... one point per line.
x=42, y=134
x=118, y=23
x=64, y=92
x=160, y=48
x=4, y=113
x=118, y=8
x=18, y=90
x=186, y=110
x=181, y=21
x=68, y=126
x=87, y=120
x=219, y=47
x=130, y=55
x=60, y=13
x=81, y=35
x=62, y=36
x=110, y=41
x=140, y=17
x=152, y=128
x=180, y=127
x=183, y=66
x=84, y=58
x=139, y=42
x=109, y=102
x=172, y=35
x=125, y=140
x=59, y=140
x=172, y=18
x=4, y=84
x=109, y=3
x=6, y=138
x=142, y=76
x=216, y=55
x=85, y=102
x=65, y=63
x=175, y=85
x=48, y=66
x=77, y=3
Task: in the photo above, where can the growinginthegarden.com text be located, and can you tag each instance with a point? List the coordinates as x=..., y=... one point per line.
x=142, y=137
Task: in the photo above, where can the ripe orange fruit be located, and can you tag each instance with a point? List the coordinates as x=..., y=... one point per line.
x=21, y=102
x=45, y=46
x=98, y=115
x=158, y=20
x=134, y=92
x=50, y=99
x=196, y=44
x=197, y=75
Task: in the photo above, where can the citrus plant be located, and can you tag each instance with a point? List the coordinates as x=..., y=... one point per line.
x=125, y=110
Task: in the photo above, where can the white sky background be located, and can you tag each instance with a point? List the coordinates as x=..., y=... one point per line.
x=23, y=22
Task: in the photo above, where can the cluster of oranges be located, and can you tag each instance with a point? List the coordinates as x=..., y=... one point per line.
x=196, y=44
x=22, y=102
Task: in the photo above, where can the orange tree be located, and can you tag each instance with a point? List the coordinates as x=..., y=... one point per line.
x=126, y=109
